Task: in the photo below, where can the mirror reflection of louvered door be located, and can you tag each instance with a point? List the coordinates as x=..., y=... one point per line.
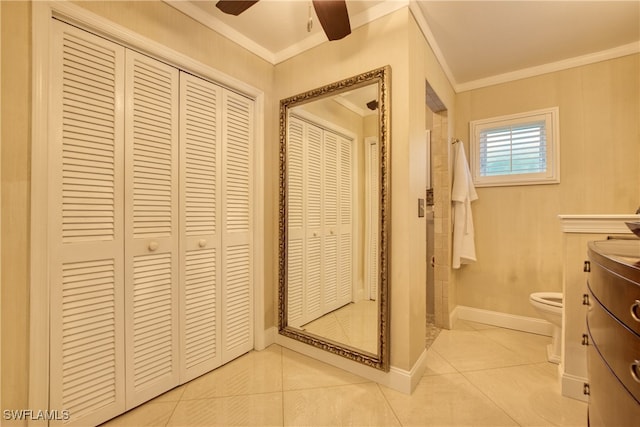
x=314, y=211
x=319, y=221
x=151, y=227
x=295, y=222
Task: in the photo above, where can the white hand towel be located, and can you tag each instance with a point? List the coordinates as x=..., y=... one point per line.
x=462, y=194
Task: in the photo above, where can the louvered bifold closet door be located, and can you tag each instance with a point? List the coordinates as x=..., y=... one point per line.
x=151, y=214
x=237, y=224
x=295, y=222
x=200, y=254
x=313, y=257
x=330, y=226
x=86, y=238
x=345, y=212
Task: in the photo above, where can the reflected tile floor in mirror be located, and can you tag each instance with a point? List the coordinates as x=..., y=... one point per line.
x=476, y=375
x=355, y=324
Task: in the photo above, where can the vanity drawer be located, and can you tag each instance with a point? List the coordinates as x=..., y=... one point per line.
x=619, y=347
x=609, y=403
x=620, y=295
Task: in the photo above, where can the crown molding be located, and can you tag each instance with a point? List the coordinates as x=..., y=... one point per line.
x=385, y=8
x=591, y=58
x=431, y=41
x=223, y=29
x=274, y=58
x=356, y=21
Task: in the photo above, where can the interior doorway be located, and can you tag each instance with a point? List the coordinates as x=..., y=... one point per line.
x=438, y=201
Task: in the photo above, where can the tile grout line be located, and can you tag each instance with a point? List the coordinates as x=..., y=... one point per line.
x=482, y=392
x=393, y=411
x=489, y=397
x=166, y=424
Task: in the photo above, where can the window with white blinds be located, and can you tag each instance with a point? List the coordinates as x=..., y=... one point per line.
x=519, y=149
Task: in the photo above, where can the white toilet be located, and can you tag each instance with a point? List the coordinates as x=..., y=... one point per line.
x=549, y=306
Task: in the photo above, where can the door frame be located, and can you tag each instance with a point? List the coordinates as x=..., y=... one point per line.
x=42, y=14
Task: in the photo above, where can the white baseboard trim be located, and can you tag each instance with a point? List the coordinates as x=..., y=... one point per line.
x=573, y=387
x=504, y=320
x=268, y=337
x=396, y=379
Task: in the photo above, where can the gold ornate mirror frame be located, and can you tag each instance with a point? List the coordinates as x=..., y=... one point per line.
x=381, y=76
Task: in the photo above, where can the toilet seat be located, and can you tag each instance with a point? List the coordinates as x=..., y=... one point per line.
x=553, y=299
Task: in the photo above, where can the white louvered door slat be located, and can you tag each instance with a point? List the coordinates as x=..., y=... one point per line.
x=295, y=222
x=86, y=239
x=237, y=225
x=200, y=150
x=151, y=207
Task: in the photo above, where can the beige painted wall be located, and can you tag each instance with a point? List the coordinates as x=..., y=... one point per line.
x=16, y=89
x=518, y=237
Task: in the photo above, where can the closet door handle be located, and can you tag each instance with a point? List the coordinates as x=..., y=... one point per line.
x=202, y=243
x=634, y=367
x=153, y=246
x=634, y=310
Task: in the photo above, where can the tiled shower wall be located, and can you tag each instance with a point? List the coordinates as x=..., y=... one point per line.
x=440, y=154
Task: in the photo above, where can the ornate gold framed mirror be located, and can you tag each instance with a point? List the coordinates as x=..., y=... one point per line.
x=334, y=217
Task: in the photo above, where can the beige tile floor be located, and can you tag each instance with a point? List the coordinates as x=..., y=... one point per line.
x=477, y=375
x=354, y=324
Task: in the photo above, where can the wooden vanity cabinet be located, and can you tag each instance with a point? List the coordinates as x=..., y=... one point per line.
x=613, y=325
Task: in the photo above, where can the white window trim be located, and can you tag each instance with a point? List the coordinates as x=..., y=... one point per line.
x=550, y=176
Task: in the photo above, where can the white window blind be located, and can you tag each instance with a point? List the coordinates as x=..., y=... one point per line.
x=515, y=150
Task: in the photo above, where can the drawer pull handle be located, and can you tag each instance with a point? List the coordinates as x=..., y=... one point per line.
x=153, y=246
x=587, y=267
x=585, y=299
x=634, y=368
x=585, y=339
x=586, y=390
x=634, y=310
x=202, y=243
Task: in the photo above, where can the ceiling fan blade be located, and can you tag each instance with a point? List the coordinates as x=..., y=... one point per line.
x=333, y=17
x=235, y=7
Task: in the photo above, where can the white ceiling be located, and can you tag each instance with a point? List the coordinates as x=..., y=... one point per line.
x=477, y=42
